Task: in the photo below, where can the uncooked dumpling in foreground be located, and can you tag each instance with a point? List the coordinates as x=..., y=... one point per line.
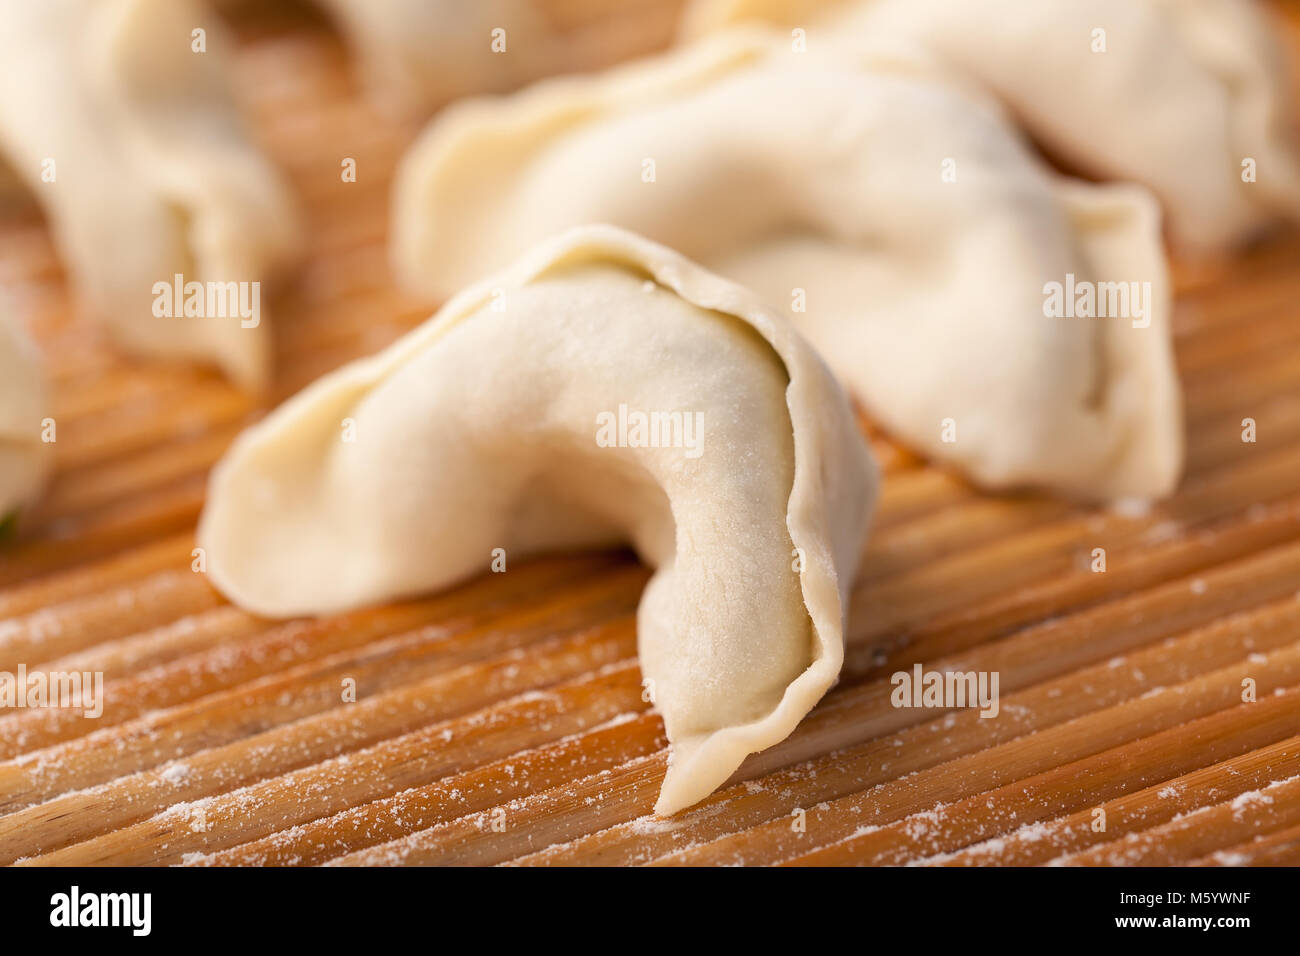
x=602, y=390
x=129, y=139
x=1190, y=98
x=899, y=221
x=24, y=457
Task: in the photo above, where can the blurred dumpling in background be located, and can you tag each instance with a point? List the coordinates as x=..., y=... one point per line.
x=1187, y=97
x=899, y=221
x=24, y=457
x=416, y=55
x=128, y=137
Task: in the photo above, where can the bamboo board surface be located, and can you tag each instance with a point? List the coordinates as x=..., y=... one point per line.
x=503, y=721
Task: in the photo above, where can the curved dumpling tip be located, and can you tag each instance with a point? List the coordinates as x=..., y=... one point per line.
x=24, y=457
x=128, y=136
x=899, y=222
x=1085, y=79
x=603, y=389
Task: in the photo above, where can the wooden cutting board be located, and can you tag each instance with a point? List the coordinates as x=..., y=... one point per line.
x=503, y=721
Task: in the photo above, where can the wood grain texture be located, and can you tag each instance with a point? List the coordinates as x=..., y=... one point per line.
x=503, y=721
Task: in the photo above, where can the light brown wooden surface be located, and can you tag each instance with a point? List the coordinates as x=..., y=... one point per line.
x=503, y=721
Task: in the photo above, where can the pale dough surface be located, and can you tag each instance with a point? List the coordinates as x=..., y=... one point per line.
x=154, y=172
x=418, y=54
x=1183, y=92
x=819, y=181
x=479, y=431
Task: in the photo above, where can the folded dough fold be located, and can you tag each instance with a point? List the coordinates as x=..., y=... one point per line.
x=508, y=420
x=131, y=142
x=1174, y=94
x=822, y=183
x=24, y=458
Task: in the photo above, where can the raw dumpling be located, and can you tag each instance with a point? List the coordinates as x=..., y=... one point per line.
x=516, y=418
x=419, y=54
x=900, y=222
x=1188, y=97
x=130, y=141
x=23, y=456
